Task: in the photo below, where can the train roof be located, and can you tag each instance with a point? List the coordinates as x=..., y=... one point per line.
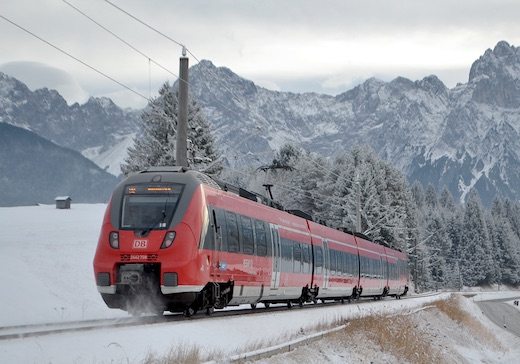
x=222, y=185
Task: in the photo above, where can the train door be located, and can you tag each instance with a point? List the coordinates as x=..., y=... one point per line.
x=383, y=273
x=276, y=251
x=215, y=269
x=326, y=264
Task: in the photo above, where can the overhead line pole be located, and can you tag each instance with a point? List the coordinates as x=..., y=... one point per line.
x=181, y=149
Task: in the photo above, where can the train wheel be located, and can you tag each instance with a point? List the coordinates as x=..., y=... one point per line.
x=267, y=304
x=188, y=312
x=209, y=311
x=253, y=306
x=289, y=304
x=300, y=302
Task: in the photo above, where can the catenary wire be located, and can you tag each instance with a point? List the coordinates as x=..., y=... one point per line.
x=119, y=38
x=143, y=23
x=73, y=57
x=215, y=77
x=258, y=117
x=150, y=60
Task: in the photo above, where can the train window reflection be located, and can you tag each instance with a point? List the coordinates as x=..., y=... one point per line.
x=147, y=212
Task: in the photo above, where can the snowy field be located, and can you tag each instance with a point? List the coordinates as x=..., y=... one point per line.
x=47, y=277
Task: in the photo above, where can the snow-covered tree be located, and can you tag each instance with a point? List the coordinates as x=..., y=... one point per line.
x=475, y=245
x=506, y=245
x=430, y=196
x=156, y=145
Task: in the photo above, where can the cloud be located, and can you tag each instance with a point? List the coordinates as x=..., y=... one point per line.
x=309, y=46
x=38, y=75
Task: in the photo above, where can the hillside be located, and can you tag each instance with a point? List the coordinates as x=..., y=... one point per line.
x=446, y=331
x=34, y=170
x=63, y=290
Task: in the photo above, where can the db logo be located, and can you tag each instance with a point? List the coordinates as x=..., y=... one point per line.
x=140, y=244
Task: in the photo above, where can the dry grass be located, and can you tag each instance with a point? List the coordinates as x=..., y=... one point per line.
x=408, y=338
x=180, y=354
x=453, y=309
x=397, y=336
x=405, y=338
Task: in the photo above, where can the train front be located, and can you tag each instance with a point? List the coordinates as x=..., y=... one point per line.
x=147, y=256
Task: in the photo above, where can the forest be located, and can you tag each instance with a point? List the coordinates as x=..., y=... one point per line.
x=449, y=244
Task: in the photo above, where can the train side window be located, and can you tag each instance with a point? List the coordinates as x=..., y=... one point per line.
x=332, y=255
x=247, y=235
x=364, y=267
x=318, y=255
x=297, y=257
x=222, y=233
x=232, y=233
x=306, y=258
x=261, y=238
x=338, y=262
x=342, y=265
x=355, y=264
x=287, y=257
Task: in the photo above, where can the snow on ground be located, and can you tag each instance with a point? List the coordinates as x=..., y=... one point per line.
x=47, y=276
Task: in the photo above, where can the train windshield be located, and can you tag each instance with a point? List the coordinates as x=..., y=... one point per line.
x=149, y=207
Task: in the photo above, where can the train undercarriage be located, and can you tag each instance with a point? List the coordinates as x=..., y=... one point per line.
x=138, y=292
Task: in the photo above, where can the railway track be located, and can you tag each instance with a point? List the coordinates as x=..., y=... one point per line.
x=36, y=330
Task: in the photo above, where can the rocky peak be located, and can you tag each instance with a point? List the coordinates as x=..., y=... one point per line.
x=495, y=77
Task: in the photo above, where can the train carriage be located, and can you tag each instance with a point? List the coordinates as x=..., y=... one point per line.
x=373, y=274
x=397, y=273
x=336, y=263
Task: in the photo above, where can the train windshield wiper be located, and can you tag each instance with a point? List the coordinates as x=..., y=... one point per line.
x=154, y=223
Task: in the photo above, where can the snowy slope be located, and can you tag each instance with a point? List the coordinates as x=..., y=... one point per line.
x=48, y=277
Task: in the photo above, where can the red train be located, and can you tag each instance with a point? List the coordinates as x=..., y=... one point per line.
x=175, y=240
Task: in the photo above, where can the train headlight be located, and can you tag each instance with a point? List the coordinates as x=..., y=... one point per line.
x=114, y=239
x=168, y=239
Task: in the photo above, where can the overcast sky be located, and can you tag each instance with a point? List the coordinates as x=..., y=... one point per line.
x=326, y=46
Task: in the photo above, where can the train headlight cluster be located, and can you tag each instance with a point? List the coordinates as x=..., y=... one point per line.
x=114, y=239
x=168, y=239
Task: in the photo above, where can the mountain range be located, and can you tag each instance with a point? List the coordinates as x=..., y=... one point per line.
x=464, y=138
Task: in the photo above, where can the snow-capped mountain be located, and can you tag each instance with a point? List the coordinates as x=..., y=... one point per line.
x=463, y=138
x=93, y=128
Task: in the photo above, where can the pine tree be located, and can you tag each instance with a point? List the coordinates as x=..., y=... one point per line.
x=475, y=245
x=506, y=245
x=156, y=145
x=431, y=196
x=418, y=194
